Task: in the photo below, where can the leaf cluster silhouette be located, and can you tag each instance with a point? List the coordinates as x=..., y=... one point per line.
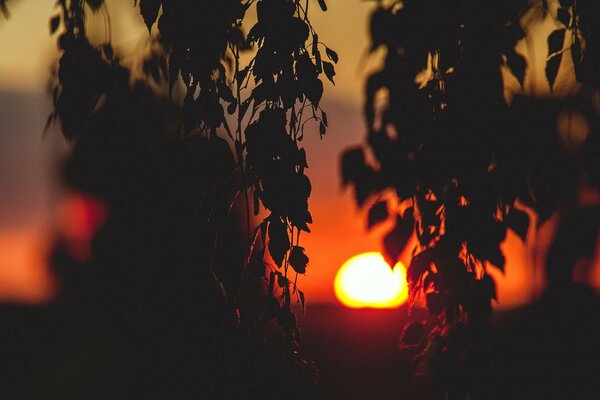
x=194, y=302
x=464, y=164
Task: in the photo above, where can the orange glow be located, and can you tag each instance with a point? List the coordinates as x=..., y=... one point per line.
x=366, y=280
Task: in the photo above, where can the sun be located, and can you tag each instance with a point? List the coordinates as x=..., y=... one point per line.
x=366, y=280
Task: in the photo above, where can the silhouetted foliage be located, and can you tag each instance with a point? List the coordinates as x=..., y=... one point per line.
x=464, y=163
x=188, y=301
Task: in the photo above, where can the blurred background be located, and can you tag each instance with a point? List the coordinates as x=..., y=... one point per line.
x=33, y=206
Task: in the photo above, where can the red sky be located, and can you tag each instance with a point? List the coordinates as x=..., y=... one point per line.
x=338, y=231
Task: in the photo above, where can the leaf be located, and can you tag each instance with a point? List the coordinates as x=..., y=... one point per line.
x=323, y=5
x=314, y=91
x=272, y=281
x=54, y=23
x=517, y=65
x=436, y=302
x=4, y=9
x=322, y=128
x=353, y=165
x=555, y=41
x=95, y=4
x=333, y=56
x=286, y=319
x=297, y=335
x=302, y=300
x=315, y=45
x=109, y=52
x=518, y=221
x=241, y=75
x=555, y=45
x=255, y=202
x=324, y=118
x=149, y=10
x=576, y=56
x=279, y=241
x=318, y=62
x=417, y=267
x=563, y=16
x=377, y=214
x=412, y=334
x=298, y=259
x=552, y=66
x=231, y=108
x=329, y=70
x=489, y=287
x=282, y=281
x=396, y=240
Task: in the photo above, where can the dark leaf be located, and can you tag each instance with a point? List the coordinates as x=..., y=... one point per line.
x=353, y=165
x=436, y=302
x=314, y=91
x=556, y=41
x=518, y=221
x=323, y=5
x=231, y=108
x=54, y=23
x=576, y=56
x=489, y=287
x=324, y=118
x=297, y=335
x=552, y=66
x=418, y=266
x=241, y=75
x=315, y=45
x=377, y=214
x=302, y=300
x=322, y=128
x=329, y=70
x=396, y=240
x=563, y=16
x=108, y=51
x=95, y=4
x=256, y=203
x=282, y=281
x=4, y=9
x=555, y=45
x=272, y=281
x=286, y=319
x=412, y=334
x=318, y=62
x=149, y=10
x=298, y=259
x=517, y=65
x=333, y=56
x=279, y=241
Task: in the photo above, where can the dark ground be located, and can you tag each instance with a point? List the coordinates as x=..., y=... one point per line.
x=357, y=352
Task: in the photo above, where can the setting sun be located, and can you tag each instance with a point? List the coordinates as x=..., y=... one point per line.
x=366, y=280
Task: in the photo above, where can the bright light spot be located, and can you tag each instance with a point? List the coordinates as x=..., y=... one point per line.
x=366, y=280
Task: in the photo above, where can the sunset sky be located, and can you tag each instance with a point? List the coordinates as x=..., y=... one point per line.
x=338, y=232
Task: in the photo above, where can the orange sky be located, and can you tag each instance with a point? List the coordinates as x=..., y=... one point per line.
x=339, y=228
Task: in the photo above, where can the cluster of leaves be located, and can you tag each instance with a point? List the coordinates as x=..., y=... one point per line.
x=576, y=26
x=203, y=41
x=270, y=100
x=285, y=73
x=459, y=158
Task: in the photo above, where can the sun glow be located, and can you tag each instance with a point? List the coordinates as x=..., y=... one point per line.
x=366, y=280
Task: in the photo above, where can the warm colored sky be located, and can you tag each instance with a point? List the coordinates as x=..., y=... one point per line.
x=27, y=52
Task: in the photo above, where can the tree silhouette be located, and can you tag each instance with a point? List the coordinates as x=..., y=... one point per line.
x=464, y=163
x=184, y=298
